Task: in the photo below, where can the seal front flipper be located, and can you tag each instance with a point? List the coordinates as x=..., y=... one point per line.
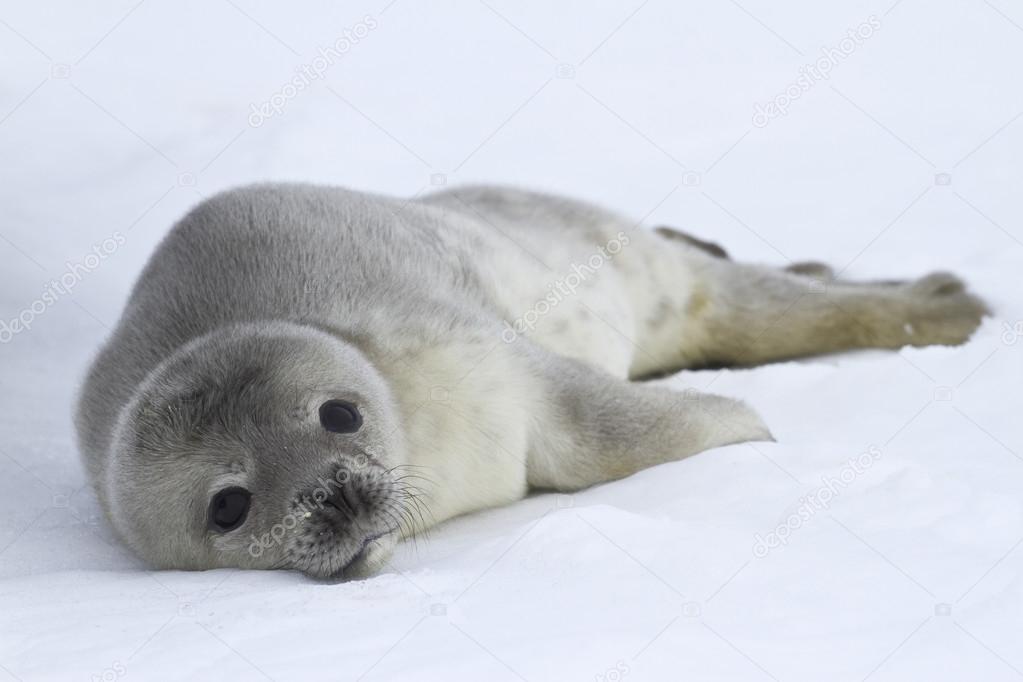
x=592, y=427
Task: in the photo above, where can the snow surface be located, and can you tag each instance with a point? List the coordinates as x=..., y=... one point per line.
x=116, y=117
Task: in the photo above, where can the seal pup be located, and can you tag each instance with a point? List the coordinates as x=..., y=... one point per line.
x=303, y=375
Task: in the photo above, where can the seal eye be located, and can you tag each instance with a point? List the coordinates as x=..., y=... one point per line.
x=229, y=508
x=340, y=416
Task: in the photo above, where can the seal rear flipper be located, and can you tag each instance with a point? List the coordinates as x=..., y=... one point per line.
x=715, y=250
x=593, y=427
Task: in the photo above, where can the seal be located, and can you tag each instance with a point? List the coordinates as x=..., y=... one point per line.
x=304, y=376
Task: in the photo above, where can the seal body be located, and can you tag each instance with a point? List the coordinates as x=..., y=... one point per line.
x=485, y=337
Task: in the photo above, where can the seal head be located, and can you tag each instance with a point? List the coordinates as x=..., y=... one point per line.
x=271, y=445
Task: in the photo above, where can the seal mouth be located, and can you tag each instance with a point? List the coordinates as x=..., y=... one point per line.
x=360, y=556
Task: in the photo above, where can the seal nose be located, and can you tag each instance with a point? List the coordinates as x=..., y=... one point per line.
x=345, y=500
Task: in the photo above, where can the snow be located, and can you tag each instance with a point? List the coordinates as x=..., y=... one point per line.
x=116, y=117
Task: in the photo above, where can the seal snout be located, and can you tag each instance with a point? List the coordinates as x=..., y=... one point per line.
x=347, y=510
x=348, y=498
x=345, y=500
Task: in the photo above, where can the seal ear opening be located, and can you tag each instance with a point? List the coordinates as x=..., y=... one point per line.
x=163, y=415
x=190, y=407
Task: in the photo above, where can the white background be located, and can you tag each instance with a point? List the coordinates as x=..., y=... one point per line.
x=117, y=117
